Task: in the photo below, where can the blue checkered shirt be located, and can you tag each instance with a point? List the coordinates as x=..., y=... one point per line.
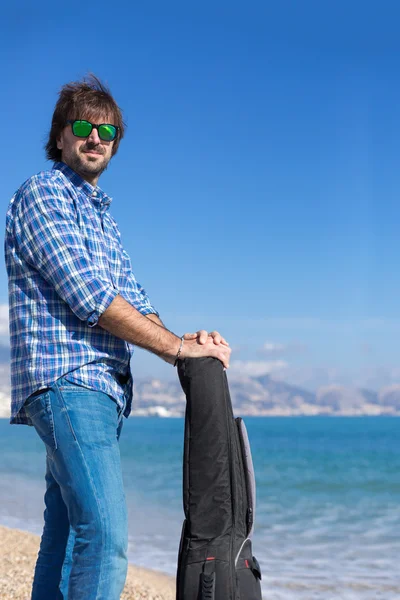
x=66, y=264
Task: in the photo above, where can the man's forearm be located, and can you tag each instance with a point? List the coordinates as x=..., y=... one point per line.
x=124, y=321
x=155, y=319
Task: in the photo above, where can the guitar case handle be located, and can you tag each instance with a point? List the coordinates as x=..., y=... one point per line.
x=208, y=581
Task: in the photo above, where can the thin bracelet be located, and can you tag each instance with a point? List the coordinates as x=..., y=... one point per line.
x=179, y=352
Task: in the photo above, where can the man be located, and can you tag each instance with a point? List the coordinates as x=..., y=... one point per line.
x=76, y=311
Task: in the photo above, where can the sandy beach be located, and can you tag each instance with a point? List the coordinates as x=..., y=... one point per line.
x=18, y=552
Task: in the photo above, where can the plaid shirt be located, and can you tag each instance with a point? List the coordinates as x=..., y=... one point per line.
x=65, y=265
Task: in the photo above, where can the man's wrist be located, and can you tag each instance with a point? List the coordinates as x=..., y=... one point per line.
x=179, y=352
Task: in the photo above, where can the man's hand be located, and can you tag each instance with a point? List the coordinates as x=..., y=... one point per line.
x=202, y=337
x=202, y=343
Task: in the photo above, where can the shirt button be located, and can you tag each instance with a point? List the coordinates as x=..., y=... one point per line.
x=94, y=194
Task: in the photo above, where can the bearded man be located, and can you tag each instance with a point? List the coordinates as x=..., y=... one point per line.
x=76, y=312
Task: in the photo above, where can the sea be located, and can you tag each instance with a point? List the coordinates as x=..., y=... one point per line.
x=327, y=523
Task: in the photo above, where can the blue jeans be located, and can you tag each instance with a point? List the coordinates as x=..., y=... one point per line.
x=83, y=550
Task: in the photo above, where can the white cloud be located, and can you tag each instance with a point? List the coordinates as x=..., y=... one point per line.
x=273, y=348
x=256, y=368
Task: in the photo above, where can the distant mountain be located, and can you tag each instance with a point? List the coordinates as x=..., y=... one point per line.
x=153, y=396
x=338, y=399
x=265, y=396
x=253, y=396
x=389, y=397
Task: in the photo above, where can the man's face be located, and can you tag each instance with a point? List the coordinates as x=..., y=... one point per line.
x=89, y=156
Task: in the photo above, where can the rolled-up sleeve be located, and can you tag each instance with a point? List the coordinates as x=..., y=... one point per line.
x=49, y=239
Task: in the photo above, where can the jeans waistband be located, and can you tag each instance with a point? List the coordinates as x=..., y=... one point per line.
x=120, y=408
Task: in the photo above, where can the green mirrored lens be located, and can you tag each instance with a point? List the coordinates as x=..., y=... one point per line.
x=107, y=132
x=81, y=128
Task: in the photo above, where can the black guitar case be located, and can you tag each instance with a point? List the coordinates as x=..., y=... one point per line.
x=215, y=559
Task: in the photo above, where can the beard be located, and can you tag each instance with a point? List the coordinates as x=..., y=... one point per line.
x=86, y=164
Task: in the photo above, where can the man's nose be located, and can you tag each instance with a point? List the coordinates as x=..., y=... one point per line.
x=93, y=138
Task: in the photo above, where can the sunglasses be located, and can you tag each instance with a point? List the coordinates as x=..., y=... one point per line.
x=83, y=129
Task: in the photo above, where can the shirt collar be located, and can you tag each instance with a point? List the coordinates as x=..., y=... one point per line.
x=94, y=193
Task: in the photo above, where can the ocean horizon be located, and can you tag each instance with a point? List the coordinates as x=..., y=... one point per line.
x=328, y=490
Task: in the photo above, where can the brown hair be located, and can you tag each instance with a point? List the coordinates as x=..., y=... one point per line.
x=84, y=99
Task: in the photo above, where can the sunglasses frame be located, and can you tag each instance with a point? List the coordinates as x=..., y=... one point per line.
x=94, y=126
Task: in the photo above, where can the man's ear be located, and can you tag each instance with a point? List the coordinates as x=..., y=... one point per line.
x=59, y=143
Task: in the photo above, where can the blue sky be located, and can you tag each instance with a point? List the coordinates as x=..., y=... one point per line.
x=257, y=186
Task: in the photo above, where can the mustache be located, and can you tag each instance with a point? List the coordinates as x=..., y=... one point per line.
x=91, y=146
